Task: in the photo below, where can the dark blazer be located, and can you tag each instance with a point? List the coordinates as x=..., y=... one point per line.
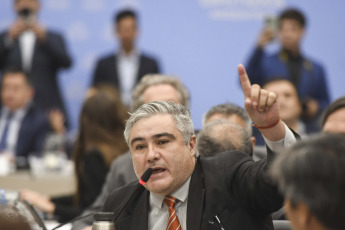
x=49, y=56
x=93, y=177
x=121, y=173
x=107, y=72
x=32, y=133
x=231, y=186
x=262, y=67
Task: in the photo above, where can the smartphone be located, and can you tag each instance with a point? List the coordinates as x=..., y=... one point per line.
x=271, y=23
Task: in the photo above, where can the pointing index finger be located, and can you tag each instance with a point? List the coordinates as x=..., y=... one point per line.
x=245, y=82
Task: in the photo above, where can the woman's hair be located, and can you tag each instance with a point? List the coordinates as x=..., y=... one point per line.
x=101, y=124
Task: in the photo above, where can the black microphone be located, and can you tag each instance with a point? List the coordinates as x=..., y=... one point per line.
x=144, y=178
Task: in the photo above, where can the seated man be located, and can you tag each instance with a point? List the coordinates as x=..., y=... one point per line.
x=290, y=107
x=238, y=115
x=333, y=119
x=232, y=113
x=311, y=177
x=23, y=127
x=151, y=87
x=229, y=190
x=222, y=135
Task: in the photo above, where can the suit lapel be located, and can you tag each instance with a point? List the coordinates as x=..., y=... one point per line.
x=140, y=71
x=115, y=71
x=24, y=133
x=137, y=213
x=34, y=55
x=195, y=198
x=15, y=55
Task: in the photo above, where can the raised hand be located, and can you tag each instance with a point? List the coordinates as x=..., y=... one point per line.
x=262, y=107
x=16, y=29
x=39, y=31
x=266, y=36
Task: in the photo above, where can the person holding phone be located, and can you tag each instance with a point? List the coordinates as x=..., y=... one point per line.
x=289, y=62
x=36, y=50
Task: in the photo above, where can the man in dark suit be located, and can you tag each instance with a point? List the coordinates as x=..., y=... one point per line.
x=127, y=66
x=23, y=127
x=228, y=190
x=37, y=51
x=152, y=87
x=311, y=177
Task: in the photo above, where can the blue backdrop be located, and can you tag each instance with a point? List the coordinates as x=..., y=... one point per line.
x=201, y=41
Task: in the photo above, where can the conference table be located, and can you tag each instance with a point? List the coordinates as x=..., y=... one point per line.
x=51, y=183
x=48, y=182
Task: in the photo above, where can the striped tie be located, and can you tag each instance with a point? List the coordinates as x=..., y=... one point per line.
x=173, y=223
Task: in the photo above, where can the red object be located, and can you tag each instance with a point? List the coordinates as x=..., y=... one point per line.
x=173, y=222
x=142, y=182
x=267, y=127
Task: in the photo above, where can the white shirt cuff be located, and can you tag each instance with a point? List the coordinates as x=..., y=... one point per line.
x=280, y=145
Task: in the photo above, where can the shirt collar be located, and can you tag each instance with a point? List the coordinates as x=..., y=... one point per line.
x=133, y=54
x=180, y=194
x=17, y=113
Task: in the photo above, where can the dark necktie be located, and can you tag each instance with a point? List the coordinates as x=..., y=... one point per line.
x=5, y=132
x=173, y=222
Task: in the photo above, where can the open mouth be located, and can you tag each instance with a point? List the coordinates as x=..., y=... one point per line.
x=157, y=170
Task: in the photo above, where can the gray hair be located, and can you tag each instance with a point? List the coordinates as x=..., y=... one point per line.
x=179, y=113
x=12, y=218
x=313, y=172
x=222, y=135
x=333, y=107
x=158, y=79
x=227, y=110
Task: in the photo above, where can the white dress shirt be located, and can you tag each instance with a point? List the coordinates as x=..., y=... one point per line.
x=128, y=66
x=158, y=214
x=27, y=44
x=14, y=127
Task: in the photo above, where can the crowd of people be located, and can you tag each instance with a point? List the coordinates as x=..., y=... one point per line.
x=243, y=168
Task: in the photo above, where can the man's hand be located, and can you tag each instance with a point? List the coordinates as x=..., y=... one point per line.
x=39, y=31
x=57, y=120
x=262, y=107
x=16, y=29
x=266, y=36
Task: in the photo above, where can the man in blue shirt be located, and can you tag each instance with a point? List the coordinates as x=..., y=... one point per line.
x=307, y=75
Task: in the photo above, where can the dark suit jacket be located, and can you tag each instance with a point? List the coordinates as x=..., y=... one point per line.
x=32, y=133
x=231, y=186
x=94, y=171
x=121, y=173
x=107, y=72
x=49, y=56
x=312, y=83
